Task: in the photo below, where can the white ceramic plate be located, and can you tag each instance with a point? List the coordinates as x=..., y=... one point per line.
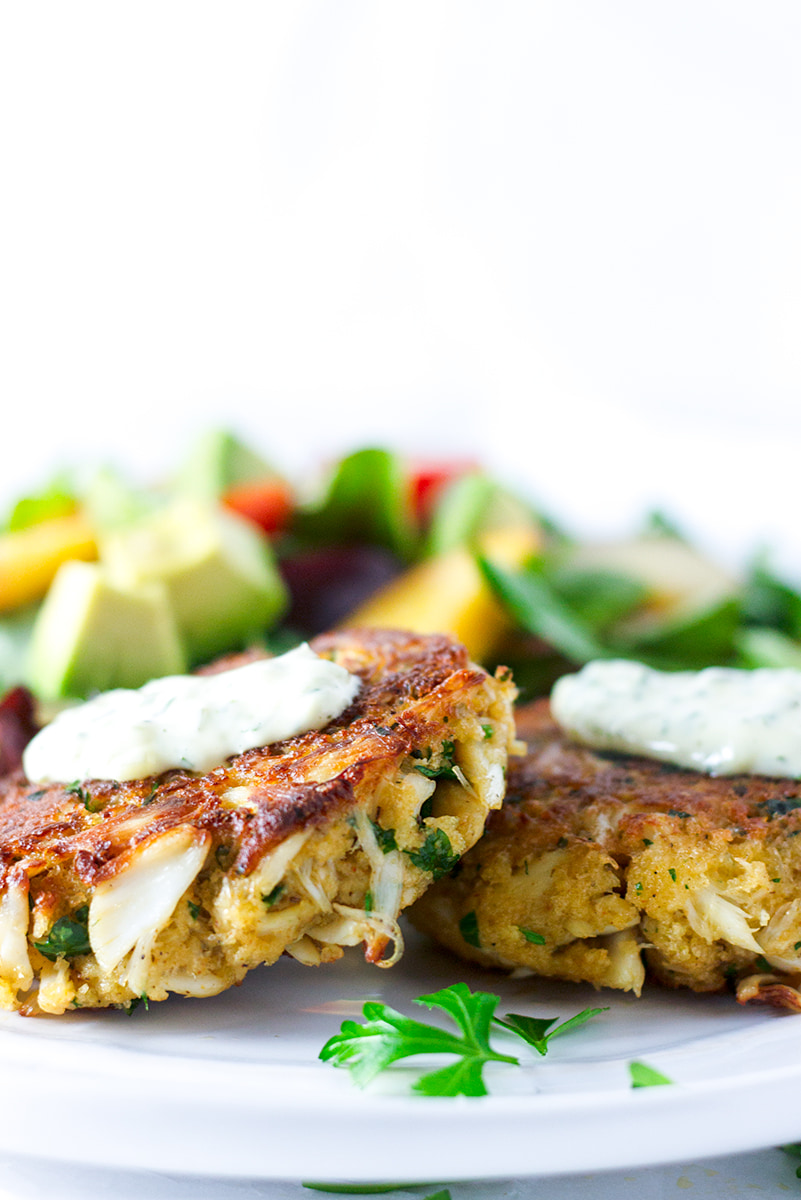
x=233, y=1086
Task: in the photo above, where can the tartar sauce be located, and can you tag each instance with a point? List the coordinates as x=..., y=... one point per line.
x=190, y=721
x=719, y=720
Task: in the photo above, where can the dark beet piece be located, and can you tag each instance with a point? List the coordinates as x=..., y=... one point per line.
x=327, y=584
x=17, y=727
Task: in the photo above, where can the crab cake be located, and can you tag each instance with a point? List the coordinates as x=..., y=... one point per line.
x=603, y=867
x=182, y=882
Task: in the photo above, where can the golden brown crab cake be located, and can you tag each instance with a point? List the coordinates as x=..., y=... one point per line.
x=183, y=882
x=600, y=867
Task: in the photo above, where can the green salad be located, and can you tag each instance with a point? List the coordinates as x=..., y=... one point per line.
x=104, y=583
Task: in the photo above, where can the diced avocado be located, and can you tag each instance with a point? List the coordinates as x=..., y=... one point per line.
x=218, y=461
x=110, y=501
x=218, y=570
x=92, y=634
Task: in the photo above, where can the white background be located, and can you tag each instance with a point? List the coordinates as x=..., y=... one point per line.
x=564, y=236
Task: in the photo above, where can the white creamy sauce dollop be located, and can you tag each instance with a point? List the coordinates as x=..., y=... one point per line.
x=190, y=721
x=719, y=720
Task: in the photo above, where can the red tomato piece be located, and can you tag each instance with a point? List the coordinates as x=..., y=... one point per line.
x=266, y=502
x=428, y=480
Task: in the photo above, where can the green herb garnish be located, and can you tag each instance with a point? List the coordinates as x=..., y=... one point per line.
x=445, y=769
x=468, y=927
x=530, y=935
x=273, y=896
x=68, y=937
x=794, y=1149
x=91, y=803
x=644, y=1076
x=388, y=1036
x=534, y=1030
x=435, y=855
x=384, y=837
x=194, y=909
x=354, y=1189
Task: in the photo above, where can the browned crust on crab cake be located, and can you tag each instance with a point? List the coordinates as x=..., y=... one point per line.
x=306, y=845
x=602, y=867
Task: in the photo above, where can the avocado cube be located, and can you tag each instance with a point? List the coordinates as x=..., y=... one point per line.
x=218, y=569
x=218, y=461
x=91, y=634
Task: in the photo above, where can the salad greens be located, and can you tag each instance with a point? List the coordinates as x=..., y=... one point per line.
x=377, y=518
x=386, y=1036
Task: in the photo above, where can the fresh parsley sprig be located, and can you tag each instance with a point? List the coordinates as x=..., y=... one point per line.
x=535, y=1030
x=388, y=1036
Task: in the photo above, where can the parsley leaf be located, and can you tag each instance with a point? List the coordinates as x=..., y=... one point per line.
x=387, y=1036
x=354, y=1189
x=794, y=1149
x=468, y=927
x=532, y=936
x=445, y=769
x=272, y=897
x=384, y=837
x=90, y=802
x=534, y=1030
x=68, y=937
x=435, y=855
x=644, y=1076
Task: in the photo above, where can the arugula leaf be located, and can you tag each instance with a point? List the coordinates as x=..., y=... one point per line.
x=701, y=639
x=598, y=597
x=69, y=936
x=769, y=601
x=537, y=606
x=534, y=1030
x=435, y=855
x=388, y=1036
x=469, y=506
x=644, y=1076
x=367, y=502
